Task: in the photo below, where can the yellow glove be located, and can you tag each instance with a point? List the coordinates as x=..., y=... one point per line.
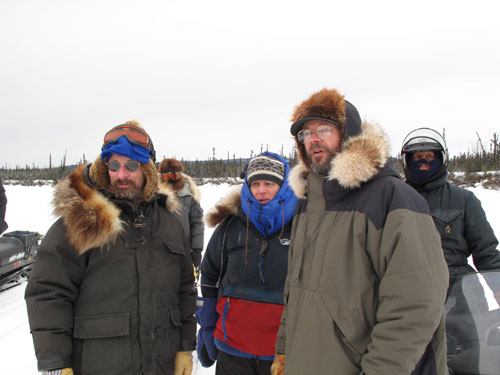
x=64, y=371
x=278, y=367
x=183, y=363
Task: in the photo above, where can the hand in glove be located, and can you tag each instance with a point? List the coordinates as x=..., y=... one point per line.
x=207, y=316
x=183, y=363
x=196, y=257
x=64, y=371
x=278, y=367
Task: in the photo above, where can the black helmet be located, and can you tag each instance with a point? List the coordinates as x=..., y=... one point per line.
x=423, y=139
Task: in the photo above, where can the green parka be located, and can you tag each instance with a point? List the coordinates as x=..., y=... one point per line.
x=111, y=291
x=367, y=279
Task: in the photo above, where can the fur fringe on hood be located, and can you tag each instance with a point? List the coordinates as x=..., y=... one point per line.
x=195, y=191
x=225, y=207
x=358, y=161
x=91, y=219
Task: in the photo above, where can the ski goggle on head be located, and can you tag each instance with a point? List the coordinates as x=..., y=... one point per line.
x=115, y=165
x=134, y=134
x=170, y=175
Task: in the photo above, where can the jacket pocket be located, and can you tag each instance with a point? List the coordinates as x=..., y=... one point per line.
x=167, y=336
x=348, y=328
x=105, y=344
x=174, y=246
x=448, y=223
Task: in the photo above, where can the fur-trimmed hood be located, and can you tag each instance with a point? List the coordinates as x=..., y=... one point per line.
x=227, y=206
x=195, y=191
x=193, y=188
x=91, y=217
x=359, y=160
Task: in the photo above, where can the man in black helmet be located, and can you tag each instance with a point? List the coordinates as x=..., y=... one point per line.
x=457, y=213
x=465, y=231
x=112, y=290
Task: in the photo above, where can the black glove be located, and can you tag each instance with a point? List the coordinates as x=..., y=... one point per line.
x=196, y=257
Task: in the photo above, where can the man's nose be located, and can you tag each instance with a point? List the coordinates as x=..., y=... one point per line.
x=122, y=172
x=314, y=137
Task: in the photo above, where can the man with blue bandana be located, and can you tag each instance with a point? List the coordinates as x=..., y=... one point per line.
x=112, y=290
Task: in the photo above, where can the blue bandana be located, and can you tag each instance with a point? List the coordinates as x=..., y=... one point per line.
x=268, y=218
x=124, y=148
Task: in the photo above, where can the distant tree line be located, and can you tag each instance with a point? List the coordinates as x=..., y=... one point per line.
x=482, y=160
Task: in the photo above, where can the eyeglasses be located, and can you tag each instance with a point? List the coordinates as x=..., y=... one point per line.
x=322, y=131
x=131, y=165
x=170, y=175
x=133, y=133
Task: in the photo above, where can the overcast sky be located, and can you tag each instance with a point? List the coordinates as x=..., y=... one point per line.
x=200, y=74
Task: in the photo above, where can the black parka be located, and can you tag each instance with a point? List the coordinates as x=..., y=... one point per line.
x=124, y=307
x=462, y=224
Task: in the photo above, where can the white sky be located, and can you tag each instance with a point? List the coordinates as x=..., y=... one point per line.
x=228, y=74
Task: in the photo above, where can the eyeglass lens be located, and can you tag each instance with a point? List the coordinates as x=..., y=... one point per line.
x=131, y=165
x=323, y=132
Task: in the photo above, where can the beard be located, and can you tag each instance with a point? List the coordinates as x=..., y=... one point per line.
x=320, y=167
x=132, y=193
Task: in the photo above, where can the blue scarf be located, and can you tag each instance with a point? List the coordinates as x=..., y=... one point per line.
x=268, y=217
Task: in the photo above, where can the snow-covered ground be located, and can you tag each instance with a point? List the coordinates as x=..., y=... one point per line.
x=29, y=209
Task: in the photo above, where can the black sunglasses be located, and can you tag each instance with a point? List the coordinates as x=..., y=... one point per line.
x=131, y=165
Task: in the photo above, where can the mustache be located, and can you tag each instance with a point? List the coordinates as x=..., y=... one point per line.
x=130, y=182
x=320, y=147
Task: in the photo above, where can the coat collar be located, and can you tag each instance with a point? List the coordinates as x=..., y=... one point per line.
x=359, y=160
x=227, y=206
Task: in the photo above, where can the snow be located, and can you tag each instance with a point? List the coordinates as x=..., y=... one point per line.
x=29, y=208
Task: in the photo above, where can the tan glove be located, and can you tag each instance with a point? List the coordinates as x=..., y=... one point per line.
x=64, y=371
x=183, y=363
x=278, y=367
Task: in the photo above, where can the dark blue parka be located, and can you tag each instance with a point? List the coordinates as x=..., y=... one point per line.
x=462, y=224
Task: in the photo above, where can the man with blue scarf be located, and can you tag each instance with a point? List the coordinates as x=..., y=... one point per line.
x=244, y=269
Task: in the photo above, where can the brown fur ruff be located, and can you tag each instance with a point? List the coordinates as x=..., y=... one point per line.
x=91, y=219
x=225, y=207
x=359, y=161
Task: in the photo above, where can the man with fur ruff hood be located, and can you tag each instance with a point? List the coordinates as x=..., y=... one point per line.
x=112, y=290
x=191, y=213
x=367, y=279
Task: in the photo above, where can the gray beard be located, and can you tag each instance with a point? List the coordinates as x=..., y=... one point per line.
x=133, y=194
x=322, y=169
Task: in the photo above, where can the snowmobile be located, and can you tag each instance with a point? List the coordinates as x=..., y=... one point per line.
x=473, y=324
x=17, y=254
